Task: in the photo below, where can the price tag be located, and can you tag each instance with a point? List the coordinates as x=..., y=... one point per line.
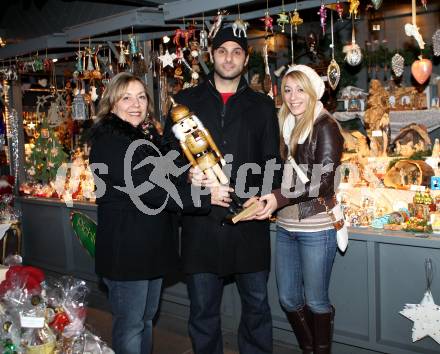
x=377, y=133
x=417, y=188
x=31, y=322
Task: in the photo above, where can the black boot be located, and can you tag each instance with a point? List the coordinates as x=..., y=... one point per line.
x=323, y=331
x=301, y=329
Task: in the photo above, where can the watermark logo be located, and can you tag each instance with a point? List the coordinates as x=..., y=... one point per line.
x=150, y=183
x=162, y=168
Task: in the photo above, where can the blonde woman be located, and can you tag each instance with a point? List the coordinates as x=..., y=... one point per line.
x=306, y=238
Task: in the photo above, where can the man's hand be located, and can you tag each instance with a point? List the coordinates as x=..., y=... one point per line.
x=220, y=195
x=198, y=178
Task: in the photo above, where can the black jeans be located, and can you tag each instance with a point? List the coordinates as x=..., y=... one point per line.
x=255, y=330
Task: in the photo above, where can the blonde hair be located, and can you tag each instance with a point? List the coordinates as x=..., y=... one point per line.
x=114, y=92
x=306, y=122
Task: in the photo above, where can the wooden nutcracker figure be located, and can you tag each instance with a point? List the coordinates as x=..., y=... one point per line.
x=197, y=143
x=200, y=149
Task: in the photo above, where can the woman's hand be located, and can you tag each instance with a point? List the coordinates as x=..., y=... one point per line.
x=270, y=206
x=220, y=195
x=198, y=178
x=259, y=208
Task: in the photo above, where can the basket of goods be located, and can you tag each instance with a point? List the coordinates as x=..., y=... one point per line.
x=46, y=348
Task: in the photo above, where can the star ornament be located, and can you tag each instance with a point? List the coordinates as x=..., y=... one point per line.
x=167, y=59
x=426, y=318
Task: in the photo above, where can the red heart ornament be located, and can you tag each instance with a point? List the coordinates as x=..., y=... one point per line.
x=421, y=70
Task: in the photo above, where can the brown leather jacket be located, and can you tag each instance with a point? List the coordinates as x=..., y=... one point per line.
x=322, y=155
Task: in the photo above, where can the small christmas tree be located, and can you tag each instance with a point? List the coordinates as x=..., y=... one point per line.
x=46, y=156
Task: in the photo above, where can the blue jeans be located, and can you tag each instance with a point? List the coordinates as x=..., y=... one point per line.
x=255, y=330
x=304, y=262
x=134, y=305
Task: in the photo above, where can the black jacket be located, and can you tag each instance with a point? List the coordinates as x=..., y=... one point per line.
x=324, y=148
x=131, y=245
x=247, y=128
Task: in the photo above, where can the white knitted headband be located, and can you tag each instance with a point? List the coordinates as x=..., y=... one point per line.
x=316, y=81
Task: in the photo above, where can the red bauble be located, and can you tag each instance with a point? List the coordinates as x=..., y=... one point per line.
x=421, y=70
x=60, y=321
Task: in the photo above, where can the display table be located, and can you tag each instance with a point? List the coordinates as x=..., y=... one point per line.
x=371, y=283
x=48, y=238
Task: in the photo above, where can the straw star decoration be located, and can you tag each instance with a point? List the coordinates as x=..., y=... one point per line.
x=426, y=318
x=167, y=59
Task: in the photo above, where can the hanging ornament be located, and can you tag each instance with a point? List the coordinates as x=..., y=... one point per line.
x=79, y=108
x=268, y=22
x=411, y=29
x=267, y=82
x=340, y=10
x=376, y=4
x=239, y=27
x=96, y=72
x=90, y=66
x=353, y=9
x=426, y=315
x=353, y=53
x=425, y=4
x=167, y=59
x=217, y=23
x=333, y=70
x=178, y=73
x=436, y=42
x=295, y=20
x=122, y=61
x=133, y=44
x=54, y=117
x=78, y=65
x=109, y=69
x=421, y=70
x=282, y=20
x=178, y=33
x=333, y=74
x=188, y=35
x=37, y=64
x=397, y=64
x=47, y=64
x=203, y=39
x=322, y=17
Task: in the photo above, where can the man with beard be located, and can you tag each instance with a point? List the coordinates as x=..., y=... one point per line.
x=243, y=123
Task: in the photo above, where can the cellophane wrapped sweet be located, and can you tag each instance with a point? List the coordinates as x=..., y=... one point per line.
x=44, y=316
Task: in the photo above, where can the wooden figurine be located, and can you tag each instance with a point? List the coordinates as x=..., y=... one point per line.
x=200, y=149
x=197, y=143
